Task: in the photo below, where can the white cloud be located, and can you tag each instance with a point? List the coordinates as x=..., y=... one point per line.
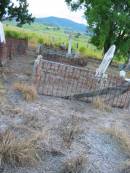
x=58, y=8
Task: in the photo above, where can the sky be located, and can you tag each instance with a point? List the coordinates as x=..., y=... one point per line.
x=58, y=8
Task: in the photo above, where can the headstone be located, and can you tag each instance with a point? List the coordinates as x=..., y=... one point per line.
x=70, y=44
x=100, y=72
x=37, y=69
x=2, y=34
x=122, y=74
x=39, y=49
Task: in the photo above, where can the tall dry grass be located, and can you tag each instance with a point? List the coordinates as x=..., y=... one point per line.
x=28, y=92
x=121, y=136
x=18, y=152
x=70, y=128
x=98, y=103
x=123, y=139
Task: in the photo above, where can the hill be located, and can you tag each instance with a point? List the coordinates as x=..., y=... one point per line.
x=62, y=22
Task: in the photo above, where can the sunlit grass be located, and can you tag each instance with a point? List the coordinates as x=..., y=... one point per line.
x=37, y=33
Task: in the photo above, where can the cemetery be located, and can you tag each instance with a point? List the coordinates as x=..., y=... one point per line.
x=57, y=114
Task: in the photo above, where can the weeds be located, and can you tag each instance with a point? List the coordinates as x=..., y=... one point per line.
x=123, y=139
x=98, y=103
x=69, y=130
x=121, y=136
x=18, y=152
x=28, y=92
x=74, y=164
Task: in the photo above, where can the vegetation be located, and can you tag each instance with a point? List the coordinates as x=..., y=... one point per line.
x=70, y=128
x=29, y=93
x=121, y=136
x=109, y=21
x=99, y=103
x=75, y=164
x=17, y=152
x=38, y=33
x=10, y=10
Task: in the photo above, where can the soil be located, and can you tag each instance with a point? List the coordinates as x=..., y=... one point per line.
x=102, y=153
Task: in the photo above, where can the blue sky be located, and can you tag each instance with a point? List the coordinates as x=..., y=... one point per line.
x=58, y=8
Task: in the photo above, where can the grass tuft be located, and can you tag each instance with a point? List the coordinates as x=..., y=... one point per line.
x=28, y=92
x=74, y=164
x=70, y=128
x=121, y=136
x=18, y=152
x=98, y=103
x=123, y=139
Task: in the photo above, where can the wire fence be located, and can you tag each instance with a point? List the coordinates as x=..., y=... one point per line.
x=66, y=81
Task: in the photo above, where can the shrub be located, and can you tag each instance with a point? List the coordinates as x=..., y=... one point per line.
x=28, y=92
x=82, y=50
x=40, y=41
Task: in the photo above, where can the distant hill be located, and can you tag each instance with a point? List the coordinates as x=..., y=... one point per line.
x=61, y=22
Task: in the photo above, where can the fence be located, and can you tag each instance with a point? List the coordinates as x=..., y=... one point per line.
x=63, y=80
x=58, y=55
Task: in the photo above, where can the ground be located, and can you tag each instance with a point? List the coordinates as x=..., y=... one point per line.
x=100, y=151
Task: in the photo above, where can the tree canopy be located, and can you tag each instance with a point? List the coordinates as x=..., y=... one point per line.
x=109, y=21
x=18, y=11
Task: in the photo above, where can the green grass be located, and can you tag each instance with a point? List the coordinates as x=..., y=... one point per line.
x=51, y=36
x=38, y=33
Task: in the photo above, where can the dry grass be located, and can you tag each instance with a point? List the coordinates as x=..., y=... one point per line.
x=70, y=128
x=28, y=92
x=123, y=139
x=125, y=166
x=18, y=152
x=16, y=110
x=121, y=136
x=74, y=164
x=98, y=103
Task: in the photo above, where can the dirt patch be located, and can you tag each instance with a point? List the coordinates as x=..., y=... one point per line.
x=89, y=151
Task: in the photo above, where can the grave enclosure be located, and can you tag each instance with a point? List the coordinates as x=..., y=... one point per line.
x=65, y=81
x=58, y=55
x=11, y=48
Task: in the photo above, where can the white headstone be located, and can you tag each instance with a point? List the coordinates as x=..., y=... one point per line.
x=2, y=34
x=122, y=74
x=70, y=44
x=100, y=72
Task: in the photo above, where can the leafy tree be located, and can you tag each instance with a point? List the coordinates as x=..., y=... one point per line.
x=109, y=21
x=18, y=11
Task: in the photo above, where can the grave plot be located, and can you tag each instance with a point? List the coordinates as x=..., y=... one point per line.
x=72, y=82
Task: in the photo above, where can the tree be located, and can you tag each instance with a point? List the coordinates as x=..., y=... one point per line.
x=18, y=11
x=109, y=21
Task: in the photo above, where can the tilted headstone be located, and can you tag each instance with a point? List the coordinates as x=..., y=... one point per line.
x=100, y=72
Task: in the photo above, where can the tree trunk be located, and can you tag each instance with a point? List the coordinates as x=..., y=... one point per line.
x=107, y=45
